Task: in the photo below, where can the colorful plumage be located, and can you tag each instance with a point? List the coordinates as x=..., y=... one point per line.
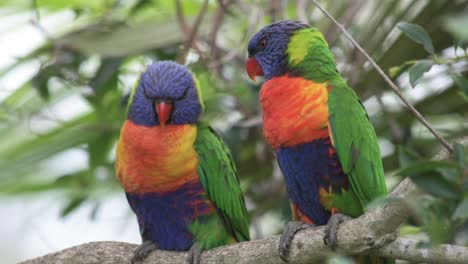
x=325, y=144
x=178, y=175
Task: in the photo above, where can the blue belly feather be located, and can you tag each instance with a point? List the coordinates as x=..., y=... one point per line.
x=165, y=219
x=307, y=168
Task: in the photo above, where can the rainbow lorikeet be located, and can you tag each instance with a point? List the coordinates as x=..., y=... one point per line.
x=325, y=144
x=177, y=174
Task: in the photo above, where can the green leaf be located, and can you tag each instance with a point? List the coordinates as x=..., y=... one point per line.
x=440, y=231
x=409, y=230
x=434, y=183
x=460, y=154
x=406, y=156
x=457, y=27
x=462, y=44
x=117, y=40
x=461, y=212
x=417, y=34
x=417, y=71
x=426, y=174
x=72, y=204
x=425, y=166
x=397, y=70
x=106, y=77
x=58, y=4
x=40, y=81
x=462, y=83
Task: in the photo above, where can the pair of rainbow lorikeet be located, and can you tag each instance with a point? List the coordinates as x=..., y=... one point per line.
x=180, y=179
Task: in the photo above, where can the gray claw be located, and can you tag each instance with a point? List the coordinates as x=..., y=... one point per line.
x=287, y=237
x=331, y=229
x=194, y=254
x=143, y=251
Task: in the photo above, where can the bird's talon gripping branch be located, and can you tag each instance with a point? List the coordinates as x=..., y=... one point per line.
x=143, y=251
x=287, y=237
x=194, y=255
x=331, y=229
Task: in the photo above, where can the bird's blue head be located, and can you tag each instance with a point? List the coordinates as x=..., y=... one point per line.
x=267, y=49
x=166, y=94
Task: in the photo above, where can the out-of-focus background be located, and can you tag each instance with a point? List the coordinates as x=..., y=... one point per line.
x=66, y=68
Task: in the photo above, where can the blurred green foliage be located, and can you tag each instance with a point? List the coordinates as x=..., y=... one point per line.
x=74, y=102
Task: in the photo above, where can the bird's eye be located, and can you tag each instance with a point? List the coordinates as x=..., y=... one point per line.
x=262, y=44
x=146, y=94
x=183, y=95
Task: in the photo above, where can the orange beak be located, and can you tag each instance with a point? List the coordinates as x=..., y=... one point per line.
x=253, y=68
x=164, y=111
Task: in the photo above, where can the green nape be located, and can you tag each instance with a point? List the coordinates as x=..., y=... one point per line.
x=132, y=93
x=199, y=91
x=310, y=56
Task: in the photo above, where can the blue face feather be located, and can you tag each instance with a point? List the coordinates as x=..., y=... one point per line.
x=165, y=81
x=269, y=46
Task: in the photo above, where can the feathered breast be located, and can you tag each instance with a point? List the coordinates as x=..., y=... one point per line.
x=156, y=159
x=295, y=111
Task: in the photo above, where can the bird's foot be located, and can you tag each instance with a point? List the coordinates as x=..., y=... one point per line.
x=331, y=230
x=194, y=254
x=143, y=251
x=287, y=237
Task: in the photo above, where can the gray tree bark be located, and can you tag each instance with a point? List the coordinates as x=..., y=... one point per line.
x=373, y=233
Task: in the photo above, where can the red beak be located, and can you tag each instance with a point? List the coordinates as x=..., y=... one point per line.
x=164, y=111
x=253, y=68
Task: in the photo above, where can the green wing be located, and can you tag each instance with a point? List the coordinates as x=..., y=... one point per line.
x=356, y=144
x=218, y=176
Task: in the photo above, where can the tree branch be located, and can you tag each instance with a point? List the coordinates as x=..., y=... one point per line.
x=370, y=234
x=189, y=40
x=387, y=79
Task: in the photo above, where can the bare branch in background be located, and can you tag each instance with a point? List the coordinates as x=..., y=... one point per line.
x=370, y=234
x=181, y=18
x=353, y=8
x=212, y=38
x=388, y=80
x=275, y=10
x=216, y=25
x=193, y=32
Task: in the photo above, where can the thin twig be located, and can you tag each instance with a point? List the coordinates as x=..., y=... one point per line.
x=387, y=79
x=186, y=30
x=212, y=37
x=180, y=17
x=217, y=21
x=193, y=32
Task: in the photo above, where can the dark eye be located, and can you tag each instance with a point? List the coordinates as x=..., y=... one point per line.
x=183, y=95
x=262, y=44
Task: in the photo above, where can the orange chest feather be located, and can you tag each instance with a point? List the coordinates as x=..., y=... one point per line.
x=156, y=159
x=295, y=111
